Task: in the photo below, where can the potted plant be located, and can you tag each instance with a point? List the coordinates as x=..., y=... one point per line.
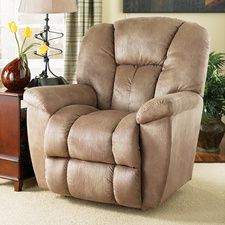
x=212, y=128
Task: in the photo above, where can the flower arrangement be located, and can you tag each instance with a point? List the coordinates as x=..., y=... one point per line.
x=22, y=50
x=16, y=74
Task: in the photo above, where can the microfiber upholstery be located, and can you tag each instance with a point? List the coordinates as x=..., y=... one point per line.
x=105, y=164
x=127, y=132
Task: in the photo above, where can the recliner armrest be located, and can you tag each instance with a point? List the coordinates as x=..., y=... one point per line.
x=166, y=106
x=52, y=98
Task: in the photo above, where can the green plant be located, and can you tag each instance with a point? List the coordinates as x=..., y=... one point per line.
x=214, y=97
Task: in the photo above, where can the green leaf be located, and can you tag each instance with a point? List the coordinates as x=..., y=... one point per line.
x=29, y=47
x=214, y=97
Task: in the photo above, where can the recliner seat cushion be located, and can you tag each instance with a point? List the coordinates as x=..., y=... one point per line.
x=91, y=160
x=85, y=133
x=58, y=127
x=90, y=137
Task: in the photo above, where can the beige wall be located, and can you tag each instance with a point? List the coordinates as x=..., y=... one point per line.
x=213, y=22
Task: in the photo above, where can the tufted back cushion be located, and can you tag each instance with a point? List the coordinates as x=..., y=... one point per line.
x=137, y=59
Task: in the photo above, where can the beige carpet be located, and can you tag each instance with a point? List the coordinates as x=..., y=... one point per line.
x=201, y=201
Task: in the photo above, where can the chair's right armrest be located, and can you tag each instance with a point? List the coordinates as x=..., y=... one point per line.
x=167, y=106
x=169, y=128
x=51, y=98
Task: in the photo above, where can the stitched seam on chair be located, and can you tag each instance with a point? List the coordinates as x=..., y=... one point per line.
x=51, y=115
x=129, y=103
x=69, y=104
x=45, y=174
x=67, y=185
x=158, y=103
x=170, y=103
x=45, y=134
x=139, y=148
x=64, y=168
x=141, y=167
x=140, y=65
x=66, y=135
x=92, y=87
x=168, y=166
x=67, y=180
x=156, y=82
x=57, y=157
x=116, y=65
x=113, y=189
x=166, y=54
x=70, y=131
x=44, y=108
x=113, y=85
x=39, y=105
x=45, y=126
x=108, y=52
x=171, y=41
x=112, y=138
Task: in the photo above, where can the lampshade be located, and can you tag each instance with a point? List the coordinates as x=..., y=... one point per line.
x=48, y=6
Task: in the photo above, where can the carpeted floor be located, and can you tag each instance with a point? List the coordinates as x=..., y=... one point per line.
x=200, y=202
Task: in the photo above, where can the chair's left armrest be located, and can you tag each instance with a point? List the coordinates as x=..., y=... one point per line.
x=166, y=106
x=51, y=98
x=43, y=102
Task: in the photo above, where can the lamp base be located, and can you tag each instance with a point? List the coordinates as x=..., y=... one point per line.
x=43, y=79
x=48, y=81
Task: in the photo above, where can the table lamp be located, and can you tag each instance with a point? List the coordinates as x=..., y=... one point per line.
x=47, y=7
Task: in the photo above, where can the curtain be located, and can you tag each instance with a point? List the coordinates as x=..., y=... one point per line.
x=89, y=13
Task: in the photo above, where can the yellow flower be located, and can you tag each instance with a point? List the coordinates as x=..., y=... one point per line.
x=27, y=32
x=13, y=27
x=43, y=49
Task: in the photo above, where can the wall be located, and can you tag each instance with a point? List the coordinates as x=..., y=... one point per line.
x=213, y=22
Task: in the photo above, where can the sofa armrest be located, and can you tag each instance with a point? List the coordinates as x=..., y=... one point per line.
x=51, y=98
x=166, y=106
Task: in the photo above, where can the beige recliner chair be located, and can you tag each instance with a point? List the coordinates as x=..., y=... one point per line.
x=126, y=134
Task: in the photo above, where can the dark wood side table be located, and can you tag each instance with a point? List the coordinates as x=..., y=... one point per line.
x=15, y=163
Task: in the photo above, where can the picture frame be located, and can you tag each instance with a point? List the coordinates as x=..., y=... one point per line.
x=171, y=6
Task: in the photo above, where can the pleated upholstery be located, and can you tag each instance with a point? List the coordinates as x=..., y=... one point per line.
x=103, y=170
x=97, y=127
x=58, y=128
x=118, y=150
x=133, y=86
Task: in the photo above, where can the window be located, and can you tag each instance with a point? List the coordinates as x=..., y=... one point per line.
x=8, y=49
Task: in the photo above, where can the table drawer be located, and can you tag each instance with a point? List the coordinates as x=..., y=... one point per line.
x=9, y=168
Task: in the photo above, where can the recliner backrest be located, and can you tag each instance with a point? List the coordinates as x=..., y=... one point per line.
x=138, y=59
